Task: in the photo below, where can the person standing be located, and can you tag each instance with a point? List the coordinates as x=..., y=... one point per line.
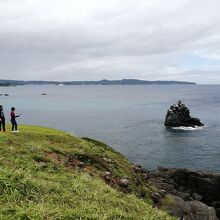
x=2, y=119
x=13, y=120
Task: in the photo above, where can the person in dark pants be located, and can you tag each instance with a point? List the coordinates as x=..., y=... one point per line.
x=2, y=119
x=13, y=120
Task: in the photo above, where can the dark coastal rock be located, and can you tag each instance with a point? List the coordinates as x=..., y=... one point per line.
x=137, y=168
x=193, y=210
x=137, y=181
x=201, y=211
x=200, y=190
x=155, y=197
x=4, y=94
x=183, y=195
x=179, y=208
x=196, y=196
x=204, y=184
x=179, y=115
x=145, y=176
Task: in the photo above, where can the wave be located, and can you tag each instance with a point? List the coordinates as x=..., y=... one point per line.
x=188, y=128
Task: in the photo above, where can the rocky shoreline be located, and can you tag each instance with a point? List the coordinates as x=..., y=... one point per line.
x=196, y=194
x=182, y=193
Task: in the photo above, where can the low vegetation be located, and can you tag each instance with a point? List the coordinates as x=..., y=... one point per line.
x=49, y=174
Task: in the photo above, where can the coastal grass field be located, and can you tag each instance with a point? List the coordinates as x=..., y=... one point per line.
x=42, y=176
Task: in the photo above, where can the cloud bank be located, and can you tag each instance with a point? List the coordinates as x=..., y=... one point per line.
x=92, y=40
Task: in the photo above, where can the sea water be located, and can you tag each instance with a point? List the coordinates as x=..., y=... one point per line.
x=128, y=118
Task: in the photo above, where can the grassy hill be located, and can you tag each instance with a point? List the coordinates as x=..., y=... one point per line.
x=49, y=174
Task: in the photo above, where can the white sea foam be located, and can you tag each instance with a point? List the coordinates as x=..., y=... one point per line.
x=188, y=128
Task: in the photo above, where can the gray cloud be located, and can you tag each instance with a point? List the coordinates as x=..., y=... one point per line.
x=91, y=40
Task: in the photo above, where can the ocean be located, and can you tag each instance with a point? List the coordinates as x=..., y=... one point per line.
x=128, y=118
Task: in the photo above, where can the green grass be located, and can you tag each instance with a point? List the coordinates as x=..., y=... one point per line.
x=37, y=180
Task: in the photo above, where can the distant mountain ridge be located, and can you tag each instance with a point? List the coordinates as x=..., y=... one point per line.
x=99, y=82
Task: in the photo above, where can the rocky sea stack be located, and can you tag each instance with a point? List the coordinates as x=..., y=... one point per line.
x=179, y=115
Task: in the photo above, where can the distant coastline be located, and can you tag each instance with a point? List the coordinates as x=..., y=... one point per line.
x=4, y=84
x=99, y=82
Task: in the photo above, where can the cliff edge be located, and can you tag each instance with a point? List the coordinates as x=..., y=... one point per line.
x=49, y=174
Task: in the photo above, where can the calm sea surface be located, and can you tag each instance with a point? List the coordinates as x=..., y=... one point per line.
x=128, y=118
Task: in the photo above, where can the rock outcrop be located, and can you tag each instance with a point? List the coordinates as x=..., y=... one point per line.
x=196, y=194
x=179, y=115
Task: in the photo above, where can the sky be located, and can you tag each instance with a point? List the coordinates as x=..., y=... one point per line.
x=98, y=39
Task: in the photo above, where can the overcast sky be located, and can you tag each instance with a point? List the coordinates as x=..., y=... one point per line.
x=115, y=39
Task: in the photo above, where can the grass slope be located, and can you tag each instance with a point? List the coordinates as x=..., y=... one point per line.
x=40, y=179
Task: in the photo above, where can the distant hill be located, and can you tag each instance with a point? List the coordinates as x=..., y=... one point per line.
x=100, y=82
x=4, y=84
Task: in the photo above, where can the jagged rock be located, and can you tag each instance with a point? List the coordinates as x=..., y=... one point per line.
x=216, y=204
x=123, y=183
x=179, y=115
x=161, y=184
x=107, y=176
x=138, y=181
x=145, y=176
x=193, y=210
x=160, y=168
x=196, y=196
x=144, y=170
x=163, y=191
x=169, y=188
x=137, y=169
x=4, y=94
x=179, y=208
x=204, y=186
x=156, y=197
x=184, y=196
x=201, y=211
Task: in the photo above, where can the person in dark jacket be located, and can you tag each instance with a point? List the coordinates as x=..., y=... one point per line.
x=2, y=119
x=13, y=120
